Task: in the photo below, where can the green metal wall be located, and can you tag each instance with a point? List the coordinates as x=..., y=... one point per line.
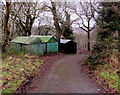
x=16, y=46
x=42, y=48
x=39, y=49
x=27, y=48
x=52, y=47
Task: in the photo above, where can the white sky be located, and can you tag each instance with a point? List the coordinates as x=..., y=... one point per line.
x=62, y=0
x=73, y=16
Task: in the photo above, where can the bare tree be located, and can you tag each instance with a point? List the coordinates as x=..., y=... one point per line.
x=5, y=35
x=2, y=14
x=86, y=14
x=61, y=17
x=45, y=21
x=56, y=21
x=24, y=17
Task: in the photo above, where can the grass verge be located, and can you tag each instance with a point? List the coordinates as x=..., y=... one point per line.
x=108, y=73
x=16, y=68
x=105, y=69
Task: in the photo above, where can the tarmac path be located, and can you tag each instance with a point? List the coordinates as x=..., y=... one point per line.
x=65, y=76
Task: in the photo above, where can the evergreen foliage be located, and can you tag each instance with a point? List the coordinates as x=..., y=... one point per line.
x=108, y=28
x=67, y=29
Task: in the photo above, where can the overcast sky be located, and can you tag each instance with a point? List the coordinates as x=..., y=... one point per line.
x=62, y=0
x=48, y=16
x=73, y=17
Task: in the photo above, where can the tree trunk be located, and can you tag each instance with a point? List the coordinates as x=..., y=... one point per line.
x=88, y=46
x=5, y=36
x=30, y=25
x=119, y=51
x=28, y=32
x=119, y=40
x=56, y=22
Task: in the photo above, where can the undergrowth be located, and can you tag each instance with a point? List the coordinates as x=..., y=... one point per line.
x=16, y=68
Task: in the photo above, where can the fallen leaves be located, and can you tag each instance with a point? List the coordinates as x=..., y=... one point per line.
x=105, y=76
x=16, y=69
x=110, y=78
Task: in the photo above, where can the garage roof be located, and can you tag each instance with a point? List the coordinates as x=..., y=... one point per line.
x=64, y=40
x=33, y=39
x=26, y=40
x=45, y=38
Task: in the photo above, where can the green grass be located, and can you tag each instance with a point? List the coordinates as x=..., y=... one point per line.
x=13, y=53
x=119, y=85
x=10, y=91
x=108, y=73
x=16, y=68
x=112, y=79
x=106, y=67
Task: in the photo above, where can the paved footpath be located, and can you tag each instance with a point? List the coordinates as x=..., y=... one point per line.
x=66, y=77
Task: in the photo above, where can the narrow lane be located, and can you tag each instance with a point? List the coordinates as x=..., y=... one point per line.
x=66, y=77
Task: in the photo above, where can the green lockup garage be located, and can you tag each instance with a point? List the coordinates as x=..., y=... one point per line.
x=51, y=43
x=36, y=44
